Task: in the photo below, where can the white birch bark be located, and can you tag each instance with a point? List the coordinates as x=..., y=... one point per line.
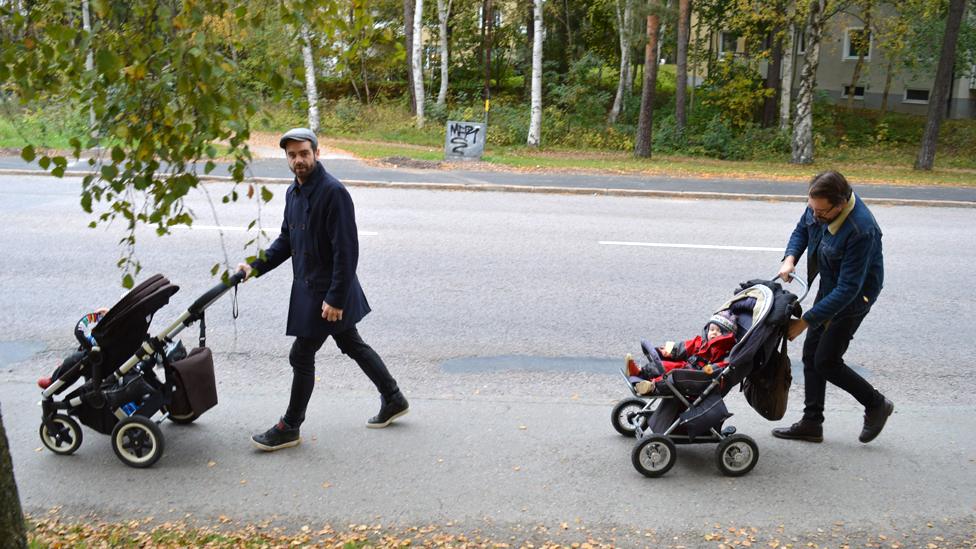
x=443, y=12
x=623, y=24
x=535, y=117
x=416, y=61
x=89, y=61
x=803, y=123
x=311, y=90
x=786, y=79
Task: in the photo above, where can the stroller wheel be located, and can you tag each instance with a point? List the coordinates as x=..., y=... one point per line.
x=653, y=455
x=736, y=455
x=137, y=441
x=66, y=439
x=623, y=416
x=185, y=419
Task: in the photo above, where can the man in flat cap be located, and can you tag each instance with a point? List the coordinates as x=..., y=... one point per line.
x=319, y=235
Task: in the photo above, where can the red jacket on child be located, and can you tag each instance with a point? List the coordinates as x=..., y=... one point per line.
x=696, y=353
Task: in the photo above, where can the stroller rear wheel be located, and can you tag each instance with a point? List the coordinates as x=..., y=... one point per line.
x=66, y=439
x=184, y=419
x=137, y=441
x=653, y=455
x=736, y=455
x=624, y=416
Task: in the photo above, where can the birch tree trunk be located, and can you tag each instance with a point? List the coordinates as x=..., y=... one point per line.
x=786, y=79
x=645, y=123
x=803, y=124
x=12, y=526
x=940, y=89
x=623, y=24
x=89, y=60
x=311, y=90
x=416, y=62
x=443, y=12
x=681, y=84
x=535, y=116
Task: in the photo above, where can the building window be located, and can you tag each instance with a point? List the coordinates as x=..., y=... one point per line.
x=728, y=42
x=856, y=42
x=858, y=92
x=916, y=96
x=801, y=42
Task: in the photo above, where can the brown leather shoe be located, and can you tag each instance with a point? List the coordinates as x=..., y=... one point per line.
x=801, y=430
x=875, y=419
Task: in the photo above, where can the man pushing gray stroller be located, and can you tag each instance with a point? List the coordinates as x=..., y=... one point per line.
x=681, y=401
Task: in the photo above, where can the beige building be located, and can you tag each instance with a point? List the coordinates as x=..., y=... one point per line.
x=908, y=92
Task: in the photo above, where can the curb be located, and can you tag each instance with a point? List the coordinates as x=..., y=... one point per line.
x=532, y=189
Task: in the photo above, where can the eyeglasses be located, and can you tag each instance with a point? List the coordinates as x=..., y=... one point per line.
x=823, y=213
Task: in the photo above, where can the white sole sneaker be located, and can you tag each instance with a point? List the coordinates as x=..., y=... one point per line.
x=267, y=448
x=387, y=422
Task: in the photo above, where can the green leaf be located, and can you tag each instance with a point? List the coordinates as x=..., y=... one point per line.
x=127, y=281
x=209, y=167
x=109, y=172
x=215, y=268
x=44, y=162
x=118, y=155
x=28, y=154
x=266, y=195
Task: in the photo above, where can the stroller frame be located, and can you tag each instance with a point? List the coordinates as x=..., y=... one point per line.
x=136, y=437
x=655, y=453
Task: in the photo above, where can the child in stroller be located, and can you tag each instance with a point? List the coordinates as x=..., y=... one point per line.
x=707, y=352
x=121, y=391
x=687, y=404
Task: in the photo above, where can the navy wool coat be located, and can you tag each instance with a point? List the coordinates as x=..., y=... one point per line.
x=319, y=234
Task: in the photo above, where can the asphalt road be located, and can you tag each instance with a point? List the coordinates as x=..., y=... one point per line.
x=504, y=317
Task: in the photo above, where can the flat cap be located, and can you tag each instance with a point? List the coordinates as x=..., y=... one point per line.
x=299, y=134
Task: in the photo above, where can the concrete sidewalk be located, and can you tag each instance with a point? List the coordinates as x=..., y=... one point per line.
x=354, y=172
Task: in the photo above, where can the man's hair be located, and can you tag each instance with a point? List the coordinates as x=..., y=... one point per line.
x=830, y=185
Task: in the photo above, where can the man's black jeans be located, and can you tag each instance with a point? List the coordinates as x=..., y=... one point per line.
x=823, y=361
x=302, y=359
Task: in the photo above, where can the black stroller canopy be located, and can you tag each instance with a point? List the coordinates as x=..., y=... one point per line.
x=124, y=327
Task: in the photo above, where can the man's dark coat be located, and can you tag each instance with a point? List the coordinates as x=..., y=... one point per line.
x=319, y=234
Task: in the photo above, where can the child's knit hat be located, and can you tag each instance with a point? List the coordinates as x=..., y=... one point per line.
x=725, y=320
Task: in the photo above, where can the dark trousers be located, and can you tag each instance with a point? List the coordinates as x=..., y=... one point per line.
x=302, y=359
x=823, y=361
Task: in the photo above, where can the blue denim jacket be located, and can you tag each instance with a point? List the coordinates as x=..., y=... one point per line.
x=850, y=263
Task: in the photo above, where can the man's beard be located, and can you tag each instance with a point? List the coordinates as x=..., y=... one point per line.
x=301, y=169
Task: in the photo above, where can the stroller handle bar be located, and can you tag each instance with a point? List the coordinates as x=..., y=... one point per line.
x=213, y=294
x=798, y=280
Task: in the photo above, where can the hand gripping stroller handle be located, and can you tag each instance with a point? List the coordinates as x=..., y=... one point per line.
x=798, y=280
x=211, y=295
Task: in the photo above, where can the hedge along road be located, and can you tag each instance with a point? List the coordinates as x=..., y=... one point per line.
x=504, y=317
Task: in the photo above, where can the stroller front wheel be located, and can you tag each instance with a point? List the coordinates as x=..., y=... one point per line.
x=653, y=455
x=736, y=455
x=624, y=416
x=65, y=439
x=137, y=441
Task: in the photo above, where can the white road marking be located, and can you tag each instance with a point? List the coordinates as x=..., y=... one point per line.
x=693, y=246
x=243, y=229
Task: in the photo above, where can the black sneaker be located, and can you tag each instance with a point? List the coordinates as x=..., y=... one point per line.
x=801, y=430
x=278, y=437
x=396, y=407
